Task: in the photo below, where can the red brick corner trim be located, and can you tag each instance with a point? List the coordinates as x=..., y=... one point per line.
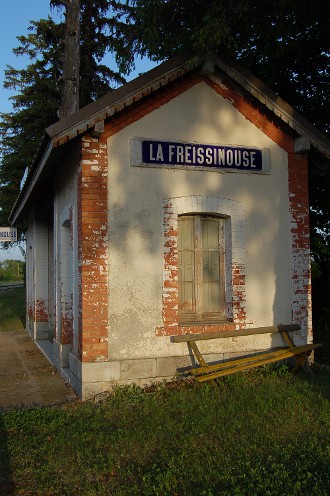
x=93, y=246
x=300, y=237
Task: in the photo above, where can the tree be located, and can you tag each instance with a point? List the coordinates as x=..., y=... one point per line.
x=71, y=59
x=34, y=108
x=290, y=51
x=285, y=43
x=37, y=103
x=96, y=78
x=12, y=270
x=96, y=41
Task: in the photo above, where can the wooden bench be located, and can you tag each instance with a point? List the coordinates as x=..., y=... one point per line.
x=207, y=372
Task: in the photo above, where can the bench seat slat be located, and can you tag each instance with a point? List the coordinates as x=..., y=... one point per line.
x=232, y=334
x=278, y=354
x=264, y=359
x=206, y=372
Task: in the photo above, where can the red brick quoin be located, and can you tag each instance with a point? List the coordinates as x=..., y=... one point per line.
x=92, y=255
x=300, y=235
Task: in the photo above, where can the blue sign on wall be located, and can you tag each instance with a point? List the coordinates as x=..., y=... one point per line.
x=196, y=155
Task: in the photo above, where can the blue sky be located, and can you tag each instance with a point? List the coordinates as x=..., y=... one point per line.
x=14, y=21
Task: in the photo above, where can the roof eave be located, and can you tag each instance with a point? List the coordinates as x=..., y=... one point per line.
x=29, y=185
x=277, y=105
x=86, y=118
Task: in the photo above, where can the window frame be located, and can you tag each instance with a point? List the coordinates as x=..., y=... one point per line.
x=198, y=315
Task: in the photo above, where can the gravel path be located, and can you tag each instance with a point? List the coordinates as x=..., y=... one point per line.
x=26, y=376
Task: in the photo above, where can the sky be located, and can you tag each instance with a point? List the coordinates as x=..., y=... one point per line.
x=14, y=21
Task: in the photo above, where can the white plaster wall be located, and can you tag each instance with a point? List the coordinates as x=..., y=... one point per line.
x=135, y=220
x=65, y=206
x=29, y=273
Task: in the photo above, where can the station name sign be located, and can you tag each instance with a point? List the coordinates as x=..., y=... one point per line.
x=8, y=234
x=200, y=156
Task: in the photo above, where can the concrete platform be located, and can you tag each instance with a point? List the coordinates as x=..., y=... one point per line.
x=27, y=378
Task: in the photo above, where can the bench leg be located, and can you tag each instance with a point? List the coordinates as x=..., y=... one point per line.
x=301, y=362
x=193, y=346
x=197, y=353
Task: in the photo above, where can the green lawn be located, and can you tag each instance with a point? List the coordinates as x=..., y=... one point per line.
x=12, y=309
x=260, y=433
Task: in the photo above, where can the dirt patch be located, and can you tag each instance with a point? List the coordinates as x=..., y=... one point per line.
x=26, y=376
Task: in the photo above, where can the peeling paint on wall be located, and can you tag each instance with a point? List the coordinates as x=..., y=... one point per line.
x=235, y=272
x=300, y=260
x=41, y=310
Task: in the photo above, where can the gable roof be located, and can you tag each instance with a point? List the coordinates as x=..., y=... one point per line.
x=92, y=115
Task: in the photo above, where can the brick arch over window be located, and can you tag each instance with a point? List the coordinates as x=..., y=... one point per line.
x=233, y=213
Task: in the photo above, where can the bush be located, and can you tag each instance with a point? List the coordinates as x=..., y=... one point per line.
x=12, y=270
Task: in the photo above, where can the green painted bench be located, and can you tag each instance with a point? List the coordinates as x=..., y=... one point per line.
x=207, y=372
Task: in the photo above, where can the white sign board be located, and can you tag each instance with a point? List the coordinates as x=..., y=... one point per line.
x=8, y=234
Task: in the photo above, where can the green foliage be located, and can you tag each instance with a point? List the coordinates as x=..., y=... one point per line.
x=96, y=78
x=264, y=436
x=159, y=28
x=321, y=295
x=34, y=108
x=12, y=270
x=36, y=104
x=285, y=43
x=287, y=46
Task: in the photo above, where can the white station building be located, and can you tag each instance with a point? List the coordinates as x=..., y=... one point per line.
x=175, y=204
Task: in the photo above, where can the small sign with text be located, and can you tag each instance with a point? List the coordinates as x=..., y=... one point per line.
x=8, y=234
x=174, y=154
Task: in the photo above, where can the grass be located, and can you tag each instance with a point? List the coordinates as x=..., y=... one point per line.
x=260, y=433
x=12, y=309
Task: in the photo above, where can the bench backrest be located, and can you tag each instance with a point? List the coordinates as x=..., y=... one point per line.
x=232, y=334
